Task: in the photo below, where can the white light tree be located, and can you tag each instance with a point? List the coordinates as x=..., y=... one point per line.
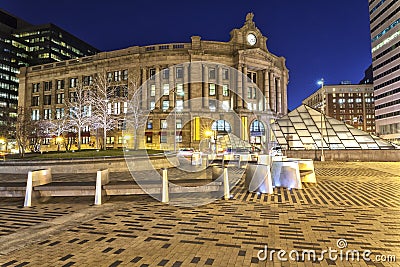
x=79, y=106
x=102, y=101
x=57, y=128
x=136, y=115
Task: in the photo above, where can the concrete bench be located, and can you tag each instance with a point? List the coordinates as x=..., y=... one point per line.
x=40, y=184
x=36, y=178
x=12, y=189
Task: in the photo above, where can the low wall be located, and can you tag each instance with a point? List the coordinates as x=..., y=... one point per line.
x=89, y=165
x=348, y=155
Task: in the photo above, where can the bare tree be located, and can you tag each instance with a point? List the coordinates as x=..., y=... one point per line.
x=102, y=101
x=57, y=128
x=79, y=106
x=24, y=128
x=136, y=115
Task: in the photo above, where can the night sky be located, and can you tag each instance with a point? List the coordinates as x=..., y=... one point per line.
x=318, y=38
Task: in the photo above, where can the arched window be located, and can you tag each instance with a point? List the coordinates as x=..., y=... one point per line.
x=222, y=126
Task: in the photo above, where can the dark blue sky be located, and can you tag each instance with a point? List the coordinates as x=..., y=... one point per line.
x=318, y=38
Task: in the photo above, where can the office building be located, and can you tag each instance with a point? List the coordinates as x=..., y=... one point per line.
x=385, y=44
x=24, y=44
x=349, y=103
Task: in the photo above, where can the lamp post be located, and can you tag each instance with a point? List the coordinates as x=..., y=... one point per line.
x=321, y=82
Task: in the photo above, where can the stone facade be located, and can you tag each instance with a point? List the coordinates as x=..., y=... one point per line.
x=200, y=79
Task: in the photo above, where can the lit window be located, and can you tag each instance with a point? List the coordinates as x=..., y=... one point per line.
x=179, y=89
x=166, y=89
x=211, y=89
x=179, y=105
x=165, y=105
x=153, y=90
x=178, y=123
x=225, y=90
x=163, y=124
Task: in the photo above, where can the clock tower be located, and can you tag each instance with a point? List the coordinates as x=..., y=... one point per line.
x=249, y=36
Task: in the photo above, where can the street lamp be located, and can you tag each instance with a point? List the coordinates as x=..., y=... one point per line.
x=321, y=82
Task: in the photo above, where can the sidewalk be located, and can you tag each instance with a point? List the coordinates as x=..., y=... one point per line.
x=358, y=202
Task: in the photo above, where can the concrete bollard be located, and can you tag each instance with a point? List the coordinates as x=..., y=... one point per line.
x=102, y=178
x=165, y=193
x=226, y=185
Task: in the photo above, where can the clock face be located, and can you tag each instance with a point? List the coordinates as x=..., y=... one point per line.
x=251, y=39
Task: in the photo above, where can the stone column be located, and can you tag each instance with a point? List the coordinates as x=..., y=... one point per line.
x=186, y=96
x=172, y=89
x=266, y=89
x=218, y=93
x=279, y=95
x=145, y=89
x=239, y=91
x=158, y=87
x=206, y=89
x=272, y=91
x=245, y=89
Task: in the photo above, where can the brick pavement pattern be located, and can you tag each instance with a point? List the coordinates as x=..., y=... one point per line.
x=359, y=202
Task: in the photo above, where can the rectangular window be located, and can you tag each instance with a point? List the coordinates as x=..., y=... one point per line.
x=117, y=75
x=178, y=137
x=47, y=114
x=35, y=115
x=35, y=101
x=60, y=84
x=166, y=89
x=163, y=137
x=149, y=124
x=125, y=107
x=60, y=98
x=179, y=105
x=211, y=73
x=47, y=100
x=178, y=123
x=48, y=86
x=110, y=140
x=35, y=87
x=109, y=108
x=109, y=76
x=72, y=96
x=152, y=74
x=152, y=105
x=249, y=93
x=87, y=80
x=73, y=82
x=252, y=76
x=163, y=124
x=117, y=108
x=225, y=105
x=225, y=74
x=165, y=73
x=149, y=139
x=59, y=113
x=179, y=89
x=179, y=72
x=153, y=90
x=212, y=104
x=211, y=87
x=121, y=125
x=125, y=75
x=225, y=90
x=165, y=105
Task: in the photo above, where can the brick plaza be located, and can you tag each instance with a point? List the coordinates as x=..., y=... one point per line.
x=355, y=201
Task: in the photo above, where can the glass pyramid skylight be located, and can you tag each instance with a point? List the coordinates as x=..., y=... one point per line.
x=301, y=129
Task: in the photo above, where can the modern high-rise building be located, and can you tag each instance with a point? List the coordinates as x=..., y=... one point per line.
x=385, y=43
x=24, y=44
x=214, y=87
x=349, y=103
